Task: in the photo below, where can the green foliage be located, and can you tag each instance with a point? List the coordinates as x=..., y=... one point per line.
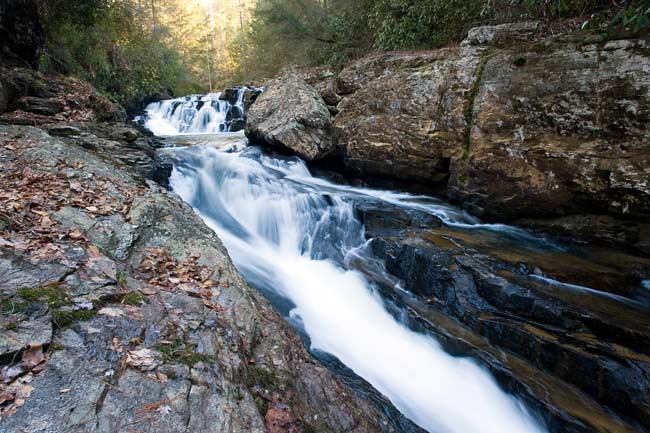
x=112, y=45
x=312, y=32
x=64, y=318
x=635, y=17
x=422, y=23
x=11, y=306
x=132, y=298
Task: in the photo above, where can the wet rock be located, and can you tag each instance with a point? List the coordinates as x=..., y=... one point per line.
x=230, y=94
x=291, y=116
x=573, y=335
x=250, y=96
x=603, y=229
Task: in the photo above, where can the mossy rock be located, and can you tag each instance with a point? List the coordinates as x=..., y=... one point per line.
x=132, y=298
x=11, y=306
x=53, y=295
x=65, y=318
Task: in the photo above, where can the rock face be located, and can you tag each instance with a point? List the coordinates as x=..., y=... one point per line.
x=515, y=125
x=550, y=345
x=122, y=307
x=387, y=115
x=21, y=34
x=290, y=115
x=559, y=129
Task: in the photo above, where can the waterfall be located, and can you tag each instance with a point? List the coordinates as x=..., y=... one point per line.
x=211, y=113
x=290, y=235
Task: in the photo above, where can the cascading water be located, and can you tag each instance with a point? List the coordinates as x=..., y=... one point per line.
x=290, y=235
x=211, y=113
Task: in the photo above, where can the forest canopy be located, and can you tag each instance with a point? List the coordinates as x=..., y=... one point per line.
x=131, y=49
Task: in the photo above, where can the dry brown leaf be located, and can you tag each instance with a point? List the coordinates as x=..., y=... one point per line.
x=76, y=234
x=33, y=356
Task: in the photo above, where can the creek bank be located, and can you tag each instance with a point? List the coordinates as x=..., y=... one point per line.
x=118, y=303
x=547, y=132
x=125, y=290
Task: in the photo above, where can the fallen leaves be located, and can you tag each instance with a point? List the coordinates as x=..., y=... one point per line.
x=14, y=379
x=31, y=194
x=163, y=272
x=143, y=359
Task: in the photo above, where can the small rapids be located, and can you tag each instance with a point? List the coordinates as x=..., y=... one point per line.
x=292, y=235
x=195, y=114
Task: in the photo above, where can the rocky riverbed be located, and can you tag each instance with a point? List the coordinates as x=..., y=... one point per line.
x=121, y=310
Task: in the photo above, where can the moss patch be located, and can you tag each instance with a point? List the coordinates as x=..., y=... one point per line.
x=10, y=306
x=53, y=295
x=121, y=278
x=262, y=405
x=180, y=352
x=65, y=318
x=469, y=108
x=264, y=378
x=132, y=298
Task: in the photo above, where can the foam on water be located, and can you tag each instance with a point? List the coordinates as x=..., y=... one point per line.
x=194, y=114
x=284, y=229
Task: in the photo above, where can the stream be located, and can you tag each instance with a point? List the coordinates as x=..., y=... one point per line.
x=296, y=238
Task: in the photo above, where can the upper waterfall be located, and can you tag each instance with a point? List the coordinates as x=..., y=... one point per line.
x=214, y=112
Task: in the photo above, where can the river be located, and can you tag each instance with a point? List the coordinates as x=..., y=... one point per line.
x=296, y=238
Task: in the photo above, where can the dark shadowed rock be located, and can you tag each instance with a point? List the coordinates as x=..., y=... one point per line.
x=250, y=96
x=230, y=94
x=46, y=107
x=63, y=130
x=290, y=115
x=560, y=338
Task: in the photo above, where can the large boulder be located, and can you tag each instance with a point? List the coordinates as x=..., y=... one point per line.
x=388, y=115
x=21, y=33
x=559, y=127
x=290, y=115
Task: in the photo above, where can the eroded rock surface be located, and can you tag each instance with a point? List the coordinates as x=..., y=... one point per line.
x=137, y=319
x=290, y=115
x=579, y=356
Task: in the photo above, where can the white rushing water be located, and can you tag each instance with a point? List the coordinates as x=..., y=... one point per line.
x=194, y=114
x=287, y=232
